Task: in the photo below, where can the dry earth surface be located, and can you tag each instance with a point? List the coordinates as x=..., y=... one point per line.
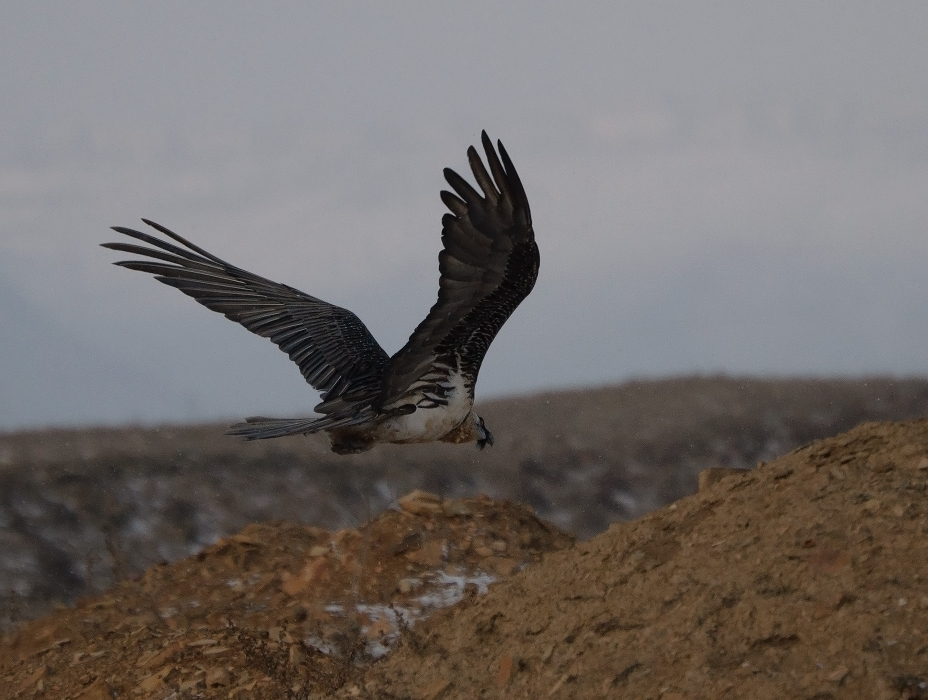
x=83, y=509
x=806, y=577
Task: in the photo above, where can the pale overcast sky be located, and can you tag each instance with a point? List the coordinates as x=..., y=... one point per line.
x=716, y=187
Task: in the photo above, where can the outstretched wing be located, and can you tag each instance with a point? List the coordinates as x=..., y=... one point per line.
x=336, y=353
x=488, y=266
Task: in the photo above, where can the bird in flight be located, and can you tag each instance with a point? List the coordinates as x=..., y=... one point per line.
x=425, y=392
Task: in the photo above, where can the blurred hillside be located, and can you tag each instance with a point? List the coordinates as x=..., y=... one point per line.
x=82, y=508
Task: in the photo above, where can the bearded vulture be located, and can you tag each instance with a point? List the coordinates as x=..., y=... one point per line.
x=423, y=393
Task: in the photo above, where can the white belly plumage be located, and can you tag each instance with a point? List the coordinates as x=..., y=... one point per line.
x=429, y=424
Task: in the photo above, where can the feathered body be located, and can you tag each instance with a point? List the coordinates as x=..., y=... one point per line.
x=423, y=393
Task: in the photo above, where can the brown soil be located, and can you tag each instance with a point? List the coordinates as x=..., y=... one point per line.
x=804, y=578
x=277, y=610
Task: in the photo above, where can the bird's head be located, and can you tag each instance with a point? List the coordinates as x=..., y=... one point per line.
x=484, y=436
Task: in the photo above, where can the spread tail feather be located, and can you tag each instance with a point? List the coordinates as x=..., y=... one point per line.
x=261, y=428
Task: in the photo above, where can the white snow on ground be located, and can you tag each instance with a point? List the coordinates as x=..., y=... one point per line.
x=442, y=590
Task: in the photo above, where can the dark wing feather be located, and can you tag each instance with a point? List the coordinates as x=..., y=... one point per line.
x=488, y=266
x=335, y=352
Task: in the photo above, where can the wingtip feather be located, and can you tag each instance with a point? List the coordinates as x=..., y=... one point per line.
x=157, y=227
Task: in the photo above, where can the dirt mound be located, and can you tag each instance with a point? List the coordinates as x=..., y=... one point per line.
x=804, y=578
x=277, y=610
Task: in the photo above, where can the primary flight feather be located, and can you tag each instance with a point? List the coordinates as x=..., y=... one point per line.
x=425, y=392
